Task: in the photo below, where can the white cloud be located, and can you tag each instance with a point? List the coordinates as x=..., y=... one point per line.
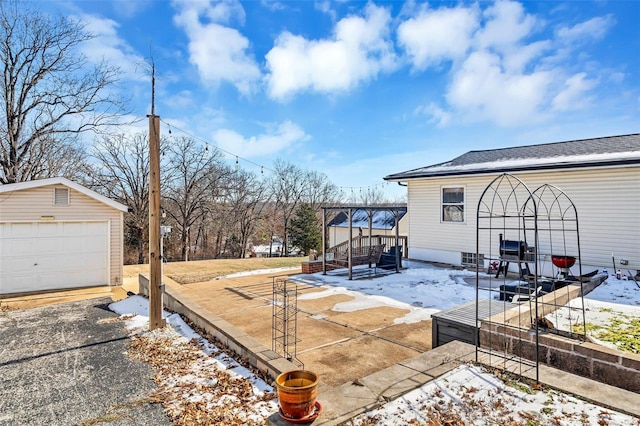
x=574, y=93
x=180, y=100
x=617, y=77
x=276, y=139
x=325, y=7
x=439, y=35
x=437, y=114
x=273, y=5
x=504, y=71
x=221, y=12
x=130, y=9
x=594, y=28
x=358, y=51
x=108, y=45
x=517, y=59
x=220, y=53
x=482, y=90
x=506, y=25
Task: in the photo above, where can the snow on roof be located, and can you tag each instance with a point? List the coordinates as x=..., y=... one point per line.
x=276, y=246
x=380, y=219
x=583, y=153
x=10, y=187
x=528, y=162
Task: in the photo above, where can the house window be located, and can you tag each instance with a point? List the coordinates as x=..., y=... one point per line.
x=61, y=196
x=453, y=204
x=472, y=259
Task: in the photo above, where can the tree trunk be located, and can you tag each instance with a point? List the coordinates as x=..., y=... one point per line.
x=185, y=244
x=140, y=238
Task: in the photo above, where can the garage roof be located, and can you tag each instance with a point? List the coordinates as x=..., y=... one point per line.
x=595, y=152
x=11, y=187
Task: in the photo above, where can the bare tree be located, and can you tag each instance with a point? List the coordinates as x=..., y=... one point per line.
x=121, y=172
x=50, y=93
x=246, y=201
x=368, y=197
x=287, y=187
x=320, y=190
x=269, y=225
x=192, y=178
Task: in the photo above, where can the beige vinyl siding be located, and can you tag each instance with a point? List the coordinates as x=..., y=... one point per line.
x=338, y=234
x=607, y=202
x=32, y=204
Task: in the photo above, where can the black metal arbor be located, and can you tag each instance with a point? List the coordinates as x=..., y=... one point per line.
x=538, y=232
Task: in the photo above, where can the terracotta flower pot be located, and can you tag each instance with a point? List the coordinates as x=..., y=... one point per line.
x=297, y=393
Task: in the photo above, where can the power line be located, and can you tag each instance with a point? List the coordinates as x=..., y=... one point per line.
x=263, y=167
x=207, y=143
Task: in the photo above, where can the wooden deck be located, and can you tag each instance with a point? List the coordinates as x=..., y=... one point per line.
x=459, y=323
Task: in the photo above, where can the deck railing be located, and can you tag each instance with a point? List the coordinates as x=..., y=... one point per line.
x=358, y=242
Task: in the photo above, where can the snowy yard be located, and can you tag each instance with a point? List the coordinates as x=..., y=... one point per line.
x=470, y=395
x=200, y=384
x=612, y=309
x=421, y=288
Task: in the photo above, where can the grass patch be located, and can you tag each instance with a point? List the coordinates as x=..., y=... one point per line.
x=623, y=331
x=207, y=270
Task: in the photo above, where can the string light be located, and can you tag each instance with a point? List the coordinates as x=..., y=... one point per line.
x=206, y=143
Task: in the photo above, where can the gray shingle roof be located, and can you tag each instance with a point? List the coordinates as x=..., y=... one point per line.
x=594, y=152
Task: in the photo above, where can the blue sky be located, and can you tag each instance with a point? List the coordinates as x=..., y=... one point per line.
x=359, y=90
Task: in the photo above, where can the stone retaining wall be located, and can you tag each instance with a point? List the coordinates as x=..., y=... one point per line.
x=616, y=368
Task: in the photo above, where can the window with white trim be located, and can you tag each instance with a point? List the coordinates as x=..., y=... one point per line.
x=61, y=196
x=453, y=204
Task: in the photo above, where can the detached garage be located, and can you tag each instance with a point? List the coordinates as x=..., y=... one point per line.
x=56, y=234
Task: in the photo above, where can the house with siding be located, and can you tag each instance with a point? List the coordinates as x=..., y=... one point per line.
x=56, y=234
x=601, y=176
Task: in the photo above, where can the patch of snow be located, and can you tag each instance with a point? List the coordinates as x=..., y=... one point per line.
x=259, y=272
x=621, y=292
x=136, y=311
x=422, y=289
x=529, y=161
x=478, y=397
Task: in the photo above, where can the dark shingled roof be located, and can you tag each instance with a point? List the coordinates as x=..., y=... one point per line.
x=596, y=152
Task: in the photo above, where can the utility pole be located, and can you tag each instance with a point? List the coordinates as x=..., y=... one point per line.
x=155, y=249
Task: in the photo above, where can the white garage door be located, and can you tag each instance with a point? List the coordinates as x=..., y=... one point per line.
x=53, y=255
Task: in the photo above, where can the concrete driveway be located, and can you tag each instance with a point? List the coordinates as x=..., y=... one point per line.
x=66, y=364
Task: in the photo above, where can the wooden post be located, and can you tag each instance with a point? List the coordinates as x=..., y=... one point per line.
x=155, y=261
x=349, y=252
x=396, y=213
x=324, y=241
x=370, y=214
